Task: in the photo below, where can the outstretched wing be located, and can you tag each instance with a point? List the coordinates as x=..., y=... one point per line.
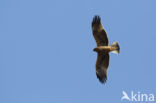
x=102, y=64
x=98, y=32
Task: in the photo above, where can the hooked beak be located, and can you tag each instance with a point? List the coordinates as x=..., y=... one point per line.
x=95, y=49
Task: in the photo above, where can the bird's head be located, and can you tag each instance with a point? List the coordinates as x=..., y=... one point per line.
x=96, y=50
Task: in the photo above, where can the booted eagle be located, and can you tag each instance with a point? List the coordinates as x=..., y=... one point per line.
x=102, y=49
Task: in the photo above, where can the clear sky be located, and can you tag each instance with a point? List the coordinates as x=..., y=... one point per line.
x=46, y=50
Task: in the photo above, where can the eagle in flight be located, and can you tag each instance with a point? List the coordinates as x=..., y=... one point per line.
x=102, y=49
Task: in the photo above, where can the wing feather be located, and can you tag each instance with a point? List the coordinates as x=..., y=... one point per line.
x=99, y=33
x=102, y=66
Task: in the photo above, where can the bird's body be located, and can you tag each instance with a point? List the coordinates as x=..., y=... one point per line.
x=107, y=49
x=102, y=49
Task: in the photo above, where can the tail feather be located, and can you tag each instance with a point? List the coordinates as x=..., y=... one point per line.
x=116, y=48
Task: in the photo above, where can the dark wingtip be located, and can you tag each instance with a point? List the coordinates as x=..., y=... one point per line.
x=96, y=20
x=102, y=79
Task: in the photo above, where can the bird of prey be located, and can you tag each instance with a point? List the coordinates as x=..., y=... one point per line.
x=102, y=49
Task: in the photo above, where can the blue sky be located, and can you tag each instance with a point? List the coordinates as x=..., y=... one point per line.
x=46, y=50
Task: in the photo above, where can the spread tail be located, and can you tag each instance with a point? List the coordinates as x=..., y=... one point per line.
x=116, y=48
